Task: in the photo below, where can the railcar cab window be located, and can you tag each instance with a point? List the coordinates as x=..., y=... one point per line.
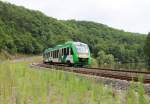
x=81, y=48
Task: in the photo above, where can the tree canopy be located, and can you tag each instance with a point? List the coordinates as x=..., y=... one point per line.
x=30, y=32
x=147, y=48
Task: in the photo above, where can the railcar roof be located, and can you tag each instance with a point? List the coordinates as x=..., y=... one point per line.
x=67, y=44
x=59, y=46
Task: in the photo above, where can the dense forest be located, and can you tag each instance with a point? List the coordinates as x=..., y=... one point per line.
x=30, y=32
x=147, y=50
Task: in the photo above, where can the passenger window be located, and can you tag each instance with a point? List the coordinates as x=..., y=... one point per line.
x=48, y=54
x=71, y=51
x=53, y=53
x=68, y=51
x=62, y=52
x=65, y=51
x=57, y=53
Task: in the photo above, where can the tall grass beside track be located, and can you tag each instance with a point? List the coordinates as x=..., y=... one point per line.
x=19, y=84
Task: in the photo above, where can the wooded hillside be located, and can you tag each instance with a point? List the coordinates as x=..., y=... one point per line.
x=27, y=31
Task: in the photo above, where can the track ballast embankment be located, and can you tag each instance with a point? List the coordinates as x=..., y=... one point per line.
x=108, y=73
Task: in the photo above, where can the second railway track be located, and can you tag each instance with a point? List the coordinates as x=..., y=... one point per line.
x=109, y=73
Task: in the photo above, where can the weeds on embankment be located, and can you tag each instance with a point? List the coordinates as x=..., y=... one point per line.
x=21, y=85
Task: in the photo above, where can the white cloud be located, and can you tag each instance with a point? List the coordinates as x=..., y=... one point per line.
x=129, y=15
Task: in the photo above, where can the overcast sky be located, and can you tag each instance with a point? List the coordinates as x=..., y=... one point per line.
x=129, y=15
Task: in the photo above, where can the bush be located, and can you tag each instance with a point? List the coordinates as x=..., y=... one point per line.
x=93, y=62
x=104, y=59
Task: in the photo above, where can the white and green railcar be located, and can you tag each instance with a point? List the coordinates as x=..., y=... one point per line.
x=72, y=53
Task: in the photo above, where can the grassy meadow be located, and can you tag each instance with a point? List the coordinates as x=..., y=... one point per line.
x=20, y=84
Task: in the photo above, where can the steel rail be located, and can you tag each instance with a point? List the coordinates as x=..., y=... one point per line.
x=108, y=73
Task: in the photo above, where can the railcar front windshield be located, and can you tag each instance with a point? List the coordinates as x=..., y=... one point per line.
x=81, y=48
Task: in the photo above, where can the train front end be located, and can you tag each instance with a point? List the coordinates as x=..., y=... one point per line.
x=83, y=54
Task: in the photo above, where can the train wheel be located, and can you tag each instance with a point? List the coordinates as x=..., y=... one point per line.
x=51, y=63
x=69, y=63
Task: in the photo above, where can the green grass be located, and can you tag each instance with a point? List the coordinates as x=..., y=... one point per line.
x=20, y=84
x=4, y=55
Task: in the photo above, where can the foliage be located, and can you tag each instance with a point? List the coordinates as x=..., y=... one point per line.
x=30, y=32
x=136, y=97
x=147, y=48
x=20, y=84
x=4, y=56
x=142, y=97
x=104, y=59
x=94, y=63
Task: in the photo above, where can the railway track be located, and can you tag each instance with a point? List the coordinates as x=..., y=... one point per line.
x=108, y=73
